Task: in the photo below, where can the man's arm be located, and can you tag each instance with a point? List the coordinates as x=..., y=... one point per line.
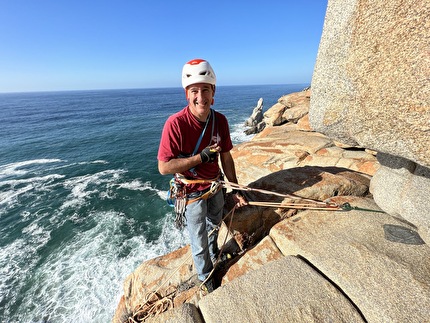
x=227, y=163
x=178, y=165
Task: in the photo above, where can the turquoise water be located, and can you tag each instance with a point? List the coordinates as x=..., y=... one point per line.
x=81, y=201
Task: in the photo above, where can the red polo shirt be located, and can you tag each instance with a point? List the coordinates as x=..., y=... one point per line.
x=179, y=138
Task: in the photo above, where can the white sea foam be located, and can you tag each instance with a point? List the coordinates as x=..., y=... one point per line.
x=14, y=169
x=238, y=134
x=79, y=186
x=18, y=259
x=33, y=180
x=103, y=162
x=137, y=185
x=162, y=194
x=12, y=271
x=83, y=280
x=10, y=197
x=14, y=189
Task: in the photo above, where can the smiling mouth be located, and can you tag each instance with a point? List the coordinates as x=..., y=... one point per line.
x=200, y=103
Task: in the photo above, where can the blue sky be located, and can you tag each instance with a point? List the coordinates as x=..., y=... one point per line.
x=50, y=45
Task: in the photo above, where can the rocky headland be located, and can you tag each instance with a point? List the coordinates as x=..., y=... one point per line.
x=359, y=135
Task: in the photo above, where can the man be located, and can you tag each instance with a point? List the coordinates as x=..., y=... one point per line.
x=192, y=141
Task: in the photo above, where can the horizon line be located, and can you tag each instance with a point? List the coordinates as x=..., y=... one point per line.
x=308, y=84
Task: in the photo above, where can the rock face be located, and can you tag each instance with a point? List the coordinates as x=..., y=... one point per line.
x=371, y=79
x=371, y=88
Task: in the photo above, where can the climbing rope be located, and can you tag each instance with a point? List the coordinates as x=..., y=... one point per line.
x=326, y=207
x=154, y=304
x=291, y=196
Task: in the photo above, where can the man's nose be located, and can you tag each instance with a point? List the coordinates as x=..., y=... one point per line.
x=200, y=94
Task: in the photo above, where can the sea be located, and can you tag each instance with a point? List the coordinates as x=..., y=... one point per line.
x=82, y=203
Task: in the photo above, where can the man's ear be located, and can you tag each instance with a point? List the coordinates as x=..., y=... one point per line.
x=186, y=94
x=213, y=89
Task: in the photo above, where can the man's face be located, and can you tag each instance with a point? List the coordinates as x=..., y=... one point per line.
x=200, y=98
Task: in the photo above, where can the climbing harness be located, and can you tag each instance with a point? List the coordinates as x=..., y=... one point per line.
x=178, y=198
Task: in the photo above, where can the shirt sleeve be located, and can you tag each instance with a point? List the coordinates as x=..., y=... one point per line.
x=169, y=143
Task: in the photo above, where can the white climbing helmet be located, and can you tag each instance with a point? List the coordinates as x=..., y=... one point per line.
x=197, y=71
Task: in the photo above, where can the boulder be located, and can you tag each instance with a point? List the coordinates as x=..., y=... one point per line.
x=256, y=116
x=283, y=147
x=290, y=108
x=260, y=255
x=255, y=121
x=186, y=313
x=285, y=290
x=370, y=88
x=402, y=188
x=379, y=262
x=158, y=275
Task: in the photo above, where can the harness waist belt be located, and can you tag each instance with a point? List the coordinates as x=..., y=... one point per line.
x=197, y=194
x=202, y=195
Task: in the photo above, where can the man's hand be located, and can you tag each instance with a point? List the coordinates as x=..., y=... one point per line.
x=209, y=154
x=239, y=198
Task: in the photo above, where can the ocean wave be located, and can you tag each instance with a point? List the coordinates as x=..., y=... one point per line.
x=82, y=187
x=103, y=162
x=13, y=189
x=17, y=262
x=10, y=197
x=14, y=169
x=238, y=134
x=136, y=185
x=32, y=180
